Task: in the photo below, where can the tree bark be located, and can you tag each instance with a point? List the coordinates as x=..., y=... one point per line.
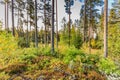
x=105, y=28
x=52, y=32
x=84, y=33
x=5, y=15
x=36, y=33
x=13, y=28
x=18, y=20
x=69, y=24
x=45, y=32
x=90, y=26
x=27, y=35
x=7, y=11
x=56, y=25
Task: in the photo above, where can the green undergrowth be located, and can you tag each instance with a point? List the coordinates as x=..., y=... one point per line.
x=26, y=61
x=64, y=64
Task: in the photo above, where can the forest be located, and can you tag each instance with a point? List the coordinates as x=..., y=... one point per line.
x=40, y=46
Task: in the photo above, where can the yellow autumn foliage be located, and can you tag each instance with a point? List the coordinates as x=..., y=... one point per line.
x=8, y=43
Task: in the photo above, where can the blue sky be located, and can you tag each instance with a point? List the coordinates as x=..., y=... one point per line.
x=110, y=3
x=61, y=12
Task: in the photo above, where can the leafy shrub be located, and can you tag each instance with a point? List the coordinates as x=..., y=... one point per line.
x=15, y=68
x=4, y=76
x=108, y=66
x=7, y=43
x=46, y=51
x=93, y=75
x=28, y=57
x=87, y=62
x=57, y=64
x=22, y=43
x=114, y=41
x=28, y=54
x=90, y=59
x=70, y=54
x=77, y=42
x=96, y=44
x=43, y=63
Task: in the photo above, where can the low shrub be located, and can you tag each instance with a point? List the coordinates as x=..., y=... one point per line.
x=23, y=43
x=77, y=42
x=108, y=66
x=70, y=54
x=96, y=44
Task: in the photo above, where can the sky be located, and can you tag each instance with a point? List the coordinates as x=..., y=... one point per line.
x=61, y=13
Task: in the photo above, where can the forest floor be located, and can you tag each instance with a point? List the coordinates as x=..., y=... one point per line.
x=67, y=63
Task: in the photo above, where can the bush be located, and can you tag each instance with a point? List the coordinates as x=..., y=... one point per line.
x=108, y=66
x=70, y=54
x=114, y=42
x=15, y=68
x=22, y=43
x=90, y=59
x=78, y=42
x=7, y=43
x=96, y=44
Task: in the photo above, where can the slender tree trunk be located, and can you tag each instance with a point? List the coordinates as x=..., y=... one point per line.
x=64, y=28
x=89, y=37
x=84, y=33
x=45, y=33
x=105, y=28
x=30, y=38
x=7, y=12
x=30, y=26
x=52, y=32
x=90, y=26
x=13, y=30
x=36, y=33
x=69, y=24
x=30, y=17
x=56, y=25
x=18, y=24
x=5, y=15
x=18, y=19
x=27, y=35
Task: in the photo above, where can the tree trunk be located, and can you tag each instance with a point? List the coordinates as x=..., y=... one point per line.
x=27, y=35
x=45, y=32
x=5, y=15
x=90, y=26
x=7, y=28
x=36, y=33
x=30, y=25
x=105, y=28
x=52, y=32
x=84, y=31
x=56, y=25
x=69, y=25
x=13, y=30
x=18, y=21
